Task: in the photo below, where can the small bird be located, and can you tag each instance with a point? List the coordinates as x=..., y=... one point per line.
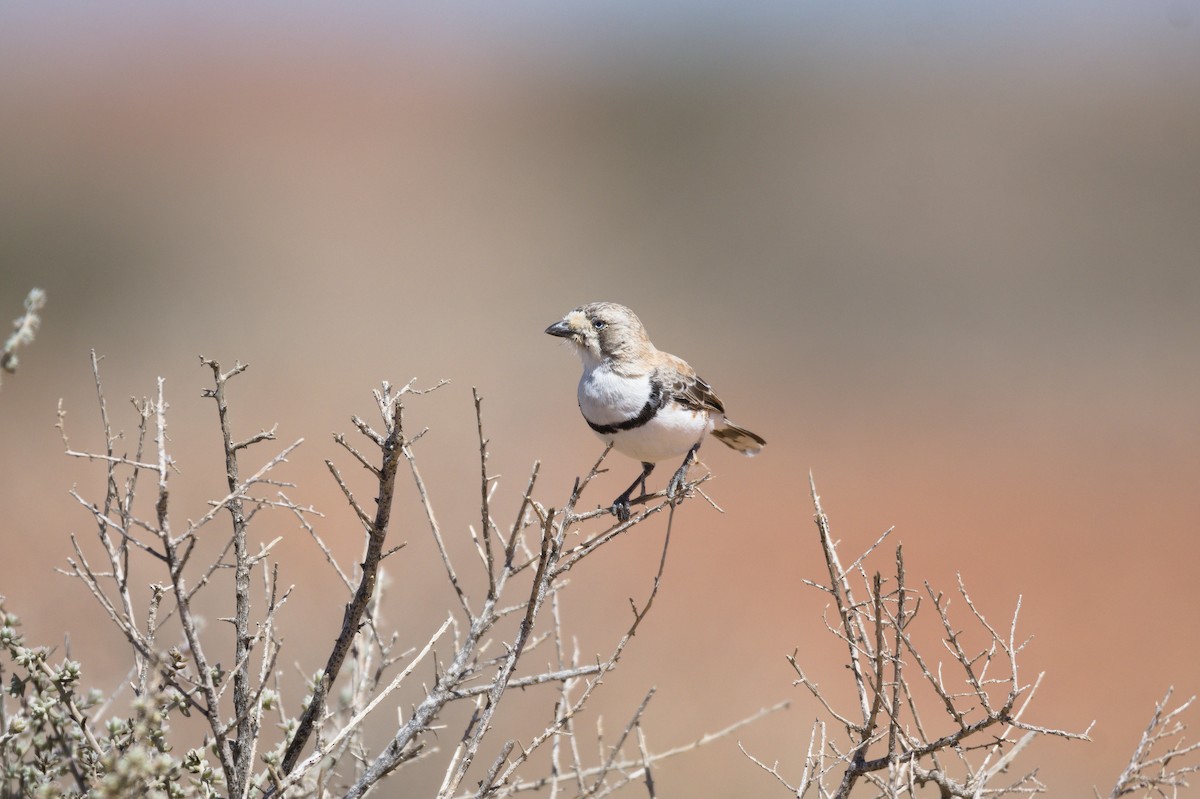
x=649, y=404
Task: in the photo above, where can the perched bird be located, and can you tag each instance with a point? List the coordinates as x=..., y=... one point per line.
x=649, y=404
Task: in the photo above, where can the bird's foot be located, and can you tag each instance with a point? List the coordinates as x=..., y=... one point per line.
x=677, y=488
x=620, y=506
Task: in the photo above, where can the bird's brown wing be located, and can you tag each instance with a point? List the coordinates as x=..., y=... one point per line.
x=686, y=387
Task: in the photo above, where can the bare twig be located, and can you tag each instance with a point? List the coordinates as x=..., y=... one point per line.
x=353, y=724
x=886, y=743
x=248, y=719
x=1153, y=769
x=391, y=446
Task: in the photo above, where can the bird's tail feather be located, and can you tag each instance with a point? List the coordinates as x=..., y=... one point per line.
x=739, y=438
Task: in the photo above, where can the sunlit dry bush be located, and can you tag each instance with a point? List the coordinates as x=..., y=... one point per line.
x=255, y=740
x=952, y=720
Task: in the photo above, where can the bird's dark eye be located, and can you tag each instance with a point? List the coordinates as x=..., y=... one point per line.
x=599, y=324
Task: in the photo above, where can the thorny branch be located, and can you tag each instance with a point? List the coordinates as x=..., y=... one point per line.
x=248, y=717
x=1155, y=766
x=390, y=443
x=200, y=688
x=464, y=666
x=886, y=742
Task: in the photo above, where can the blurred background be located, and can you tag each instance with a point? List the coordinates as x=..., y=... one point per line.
x=943, y=255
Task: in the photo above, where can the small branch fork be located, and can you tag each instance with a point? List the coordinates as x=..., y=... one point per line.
x=886, y=741
x=391, y=443
x=1155, y=768
x=248, y=719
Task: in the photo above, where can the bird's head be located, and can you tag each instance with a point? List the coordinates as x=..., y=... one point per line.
x=604, y=331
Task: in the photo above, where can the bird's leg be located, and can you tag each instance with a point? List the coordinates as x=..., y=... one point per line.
x=675, y=487
x=620, y=506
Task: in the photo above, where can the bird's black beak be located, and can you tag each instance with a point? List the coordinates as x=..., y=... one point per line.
x=560, y=329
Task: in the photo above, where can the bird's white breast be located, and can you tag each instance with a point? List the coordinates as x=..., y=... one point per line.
x=606, y=398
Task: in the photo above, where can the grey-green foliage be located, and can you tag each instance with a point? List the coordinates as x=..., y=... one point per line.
x=51, y=745
x=24, y=329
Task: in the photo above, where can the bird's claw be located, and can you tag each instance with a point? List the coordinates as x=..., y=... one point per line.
x=620, y=509
x=677, y=488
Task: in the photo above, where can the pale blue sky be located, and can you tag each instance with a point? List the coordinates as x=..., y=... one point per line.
x=593, y=34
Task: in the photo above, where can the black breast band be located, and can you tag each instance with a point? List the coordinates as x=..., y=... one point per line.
x=648, y=411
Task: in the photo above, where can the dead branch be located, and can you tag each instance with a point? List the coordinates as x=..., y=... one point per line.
x=1153, y=768
x=885, y=743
